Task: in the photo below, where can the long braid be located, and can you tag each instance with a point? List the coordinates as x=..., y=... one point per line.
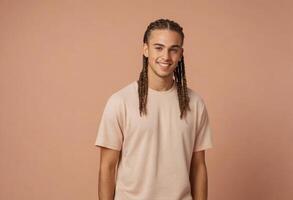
x=179, y=72
x=181, y=82
x=143, y=87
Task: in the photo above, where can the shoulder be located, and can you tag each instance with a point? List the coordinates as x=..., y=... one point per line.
x=196, y=98
x=119, y=95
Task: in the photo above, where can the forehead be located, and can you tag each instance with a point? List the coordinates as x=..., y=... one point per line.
x=165, y=37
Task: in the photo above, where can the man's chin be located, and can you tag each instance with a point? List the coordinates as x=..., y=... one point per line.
x=165, y=74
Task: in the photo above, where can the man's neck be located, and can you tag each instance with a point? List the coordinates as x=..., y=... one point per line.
x=161, y=84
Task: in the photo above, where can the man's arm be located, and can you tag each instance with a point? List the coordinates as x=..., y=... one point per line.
x=198, y=176
x=108, y=162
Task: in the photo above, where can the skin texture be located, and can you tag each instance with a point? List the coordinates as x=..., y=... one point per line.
x=160, y=78
x=109, y=160
x=198, y=176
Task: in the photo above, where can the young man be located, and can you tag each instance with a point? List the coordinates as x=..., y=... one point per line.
x=155, y=130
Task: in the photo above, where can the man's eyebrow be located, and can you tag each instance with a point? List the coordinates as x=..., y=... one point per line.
x=175, y=45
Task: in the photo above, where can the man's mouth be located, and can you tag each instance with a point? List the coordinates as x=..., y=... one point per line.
x=164, y=64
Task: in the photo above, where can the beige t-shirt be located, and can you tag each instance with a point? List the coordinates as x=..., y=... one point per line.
x=156, y=149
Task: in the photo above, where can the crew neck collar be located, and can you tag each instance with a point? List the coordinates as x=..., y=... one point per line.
x=164, y=91
x=157, y=92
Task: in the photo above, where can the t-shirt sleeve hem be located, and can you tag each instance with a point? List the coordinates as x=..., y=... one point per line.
x=203, y=148
x=110, y=146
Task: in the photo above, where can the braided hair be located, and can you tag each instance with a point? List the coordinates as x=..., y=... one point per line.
x=179, y=72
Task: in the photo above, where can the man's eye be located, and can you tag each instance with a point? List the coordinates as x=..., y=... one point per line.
x=174, y=50
x=159, y=48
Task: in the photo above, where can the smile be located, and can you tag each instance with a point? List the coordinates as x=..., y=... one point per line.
x=164, y=64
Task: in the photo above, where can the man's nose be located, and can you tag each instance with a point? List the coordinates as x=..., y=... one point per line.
x=166, y=55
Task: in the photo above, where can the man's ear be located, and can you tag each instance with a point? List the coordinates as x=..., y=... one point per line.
x=145, y=50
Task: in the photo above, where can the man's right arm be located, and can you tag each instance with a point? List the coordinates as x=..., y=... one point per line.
x=109, y=159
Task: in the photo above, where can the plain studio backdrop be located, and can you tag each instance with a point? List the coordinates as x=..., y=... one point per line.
x=61, y=60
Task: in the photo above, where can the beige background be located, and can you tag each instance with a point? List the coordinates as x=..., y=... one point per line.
x=61, y=60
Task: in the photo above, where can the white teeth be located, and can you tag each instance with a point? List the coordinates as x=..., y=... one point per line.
x=164, y=65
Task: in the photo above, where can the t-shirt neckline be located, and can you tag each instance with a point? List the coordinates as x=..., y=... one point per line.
x=164, y=91
x=156, y=92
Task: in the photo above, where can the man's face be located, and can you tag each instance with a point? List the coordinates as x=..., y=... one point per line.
x=163, y=51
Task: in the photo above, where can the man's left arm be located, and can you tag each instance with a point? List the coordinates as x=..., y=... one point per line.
x=198, y=176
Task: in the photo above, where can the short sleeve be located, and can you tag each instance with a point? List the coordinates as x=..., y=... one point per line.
x=110, y=132
x=203, y=139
